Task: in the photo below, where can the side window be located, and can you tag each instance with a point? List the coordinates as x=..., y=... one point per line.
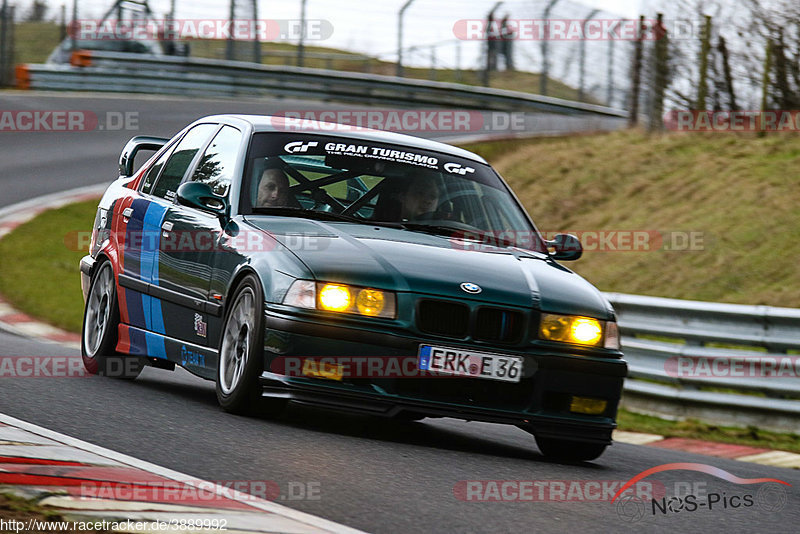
x=152, y=174
x=217, y=164
x=181, y=159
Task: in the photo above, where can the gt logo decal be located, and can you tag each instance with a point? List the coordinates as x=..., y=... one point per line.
x=299, y=146
x=455, y=168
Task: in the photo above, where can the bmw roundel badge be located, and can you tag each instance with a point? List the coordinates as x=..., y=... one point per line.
x=469, y=287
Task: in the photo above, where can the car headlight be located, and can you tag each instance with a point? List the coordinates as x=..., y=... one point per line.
x=579, y=330
x=334, y=297
x=341, y=298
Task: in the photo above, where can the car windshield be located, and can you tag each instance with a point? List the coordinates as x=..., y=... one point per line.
x=335, y=178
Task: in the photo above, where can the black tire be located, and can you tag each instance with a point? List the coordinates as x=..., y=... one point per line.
x=100, y=330
x=241, y=354
x=568, y=450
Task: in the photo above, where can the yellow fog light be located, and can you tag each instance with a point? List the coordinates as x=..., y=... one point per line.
x=571, y=329
x=315, y=369
x=587, y=405
x=334, y=297
x=370, y=302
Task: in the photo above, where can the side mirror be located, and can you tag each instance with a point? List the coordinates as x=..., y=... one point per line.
x=566, y=247
x=140, y=142
x=199, y=195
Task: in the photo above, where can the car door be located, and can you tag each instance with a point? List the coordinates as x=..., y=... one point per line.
x=189, y=246
x=133, y=245
x=147, y=214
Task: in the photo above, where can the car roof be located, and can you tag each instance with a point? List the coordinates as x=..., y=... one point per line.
x=268, y=123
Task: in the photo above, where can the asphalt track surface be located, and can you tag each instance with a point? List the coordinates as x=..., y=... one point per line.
x=375, y=475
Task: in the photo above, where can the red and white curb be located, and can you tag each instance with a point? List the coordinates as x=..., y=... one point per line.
x=59, y=469
x=11, y=217
x=743, y=453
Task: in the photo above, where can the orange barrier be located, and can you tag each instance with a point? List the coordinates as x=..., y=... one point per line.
x=81, y=58
x=23, y=77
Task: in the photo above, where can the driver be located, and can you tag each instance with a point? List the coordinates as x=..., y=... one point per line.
x=273, y=189
x=420, y=197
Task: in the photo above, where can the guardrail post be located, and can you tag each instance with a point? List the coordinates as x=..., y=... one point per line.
x=3, y=38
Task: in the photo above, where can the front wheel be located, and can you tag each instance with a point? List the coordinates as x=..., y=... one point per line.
x=568, y=450
x=241, y=354
x=100, y=330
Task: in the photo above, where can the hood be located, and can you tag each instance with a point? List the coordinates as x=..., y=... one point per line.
x=402, y=260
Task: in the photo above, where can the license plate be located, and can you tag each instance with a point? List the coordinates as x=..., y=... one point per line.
x=460, y=362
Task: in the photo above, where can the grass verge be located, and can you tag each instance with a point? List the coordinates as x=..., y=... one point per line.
x=751, y=436
x=39, y=265
x=28, y=512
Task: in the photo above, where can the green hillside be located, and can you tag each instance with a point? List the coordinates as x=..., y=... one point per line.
x=738, y=193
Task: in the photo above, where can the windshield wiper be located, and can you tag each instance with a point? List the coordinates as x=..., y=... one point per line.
x=320, y=215
x=308, y=214
x=487, y=238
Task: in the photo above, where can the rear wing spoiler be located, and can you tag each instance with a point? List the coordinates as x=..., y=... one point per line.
x=140, y=142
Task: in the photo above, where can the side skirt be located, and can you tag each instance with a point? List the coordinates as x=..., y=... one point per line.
x=201, y=361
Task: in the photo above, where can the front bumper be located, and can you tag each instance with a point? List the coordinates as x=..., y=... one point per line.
x=539, y=403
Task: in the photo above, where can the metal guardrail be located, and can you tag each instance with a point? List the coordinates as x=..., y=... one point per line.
x=135, y=73
x=730, y=363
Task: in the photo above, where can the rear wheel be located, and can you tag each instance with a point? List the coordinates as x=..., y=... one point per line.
x=100, y=330
x=241, y=354
x=564, y=449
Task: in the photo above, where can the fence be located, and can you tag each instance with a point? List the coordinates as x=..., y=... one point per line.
x=728, y=363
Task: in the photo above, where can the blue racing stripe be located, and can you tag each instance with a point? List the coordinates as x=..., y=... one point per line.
x=136, y=315
x=138, y=342
x=151, y=241
x=155, y=346
x=153, y=219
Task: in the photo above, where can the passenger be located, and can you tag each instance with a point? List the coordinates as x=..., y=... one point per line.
x=273, y=189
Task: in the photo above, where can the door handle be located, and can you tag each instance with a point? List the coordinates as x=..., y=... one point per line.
x=126, y=214
x=167, y=228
